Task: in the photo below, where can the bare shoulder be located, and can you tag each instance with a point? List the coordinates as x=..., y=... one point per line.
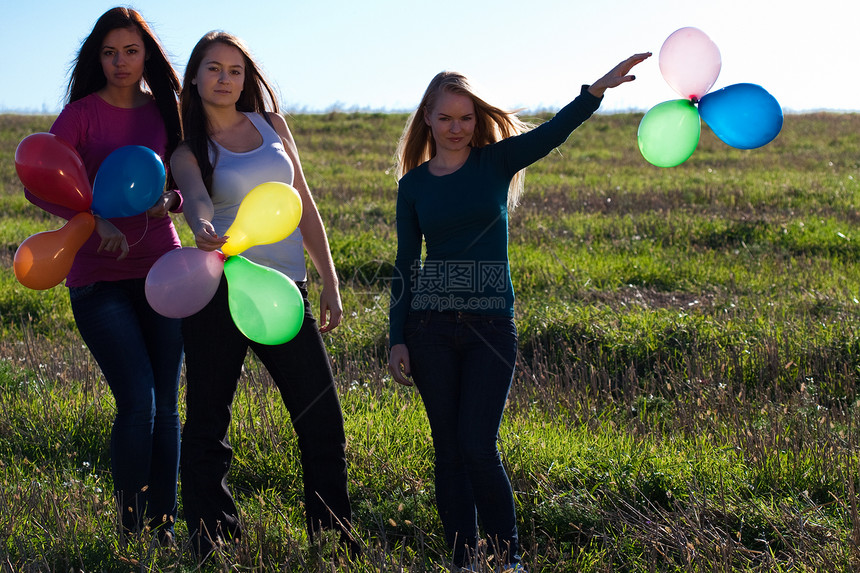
x=280, y=125
x=182, y=155
x=283, y=130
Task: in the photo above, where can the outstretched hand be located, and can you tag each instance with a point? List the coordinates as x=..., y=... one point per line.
x=618, y=75
x=205, y=236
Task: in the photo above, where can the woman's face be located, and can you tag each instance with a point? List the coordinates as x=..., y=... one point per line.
x=221, y=75
x=452, y=121
x=123, y=56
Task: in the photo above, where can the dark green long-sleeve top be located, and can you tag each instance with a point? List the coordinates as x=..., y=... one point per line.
x=463, y=219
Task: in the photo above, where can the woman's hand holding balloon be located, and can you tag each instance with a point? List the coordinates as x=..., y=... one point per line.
x=112, y=239
x=205, y=236
x=331, y=309
x=168, y=200
x=618, y=75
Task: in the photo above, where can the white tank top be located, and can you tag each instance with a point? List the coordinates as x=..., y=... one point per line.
x=236, y=174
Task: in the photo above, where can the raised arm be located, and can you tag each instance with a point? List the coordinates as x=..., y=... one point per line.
x=618, y=75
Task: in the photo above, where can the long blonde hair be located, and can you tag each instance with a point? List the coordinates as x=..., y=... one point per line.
x=492, y=124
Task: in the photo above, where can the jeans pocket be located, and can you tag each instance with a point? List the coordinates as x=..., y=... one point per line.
x=503, y=327
x=415, y=324
x=82, y=292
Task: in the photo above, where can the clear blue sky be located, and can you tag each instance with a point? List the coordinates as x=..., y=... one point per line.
x=380, y=54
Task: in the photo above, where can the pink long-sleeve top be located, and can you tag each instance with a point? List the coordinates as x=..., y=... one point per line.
x=95, y=128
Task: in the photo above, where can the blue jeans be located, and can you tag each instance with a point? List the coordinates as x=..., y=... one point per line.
x=140, y=355
x=215, y=352
x=463, y=365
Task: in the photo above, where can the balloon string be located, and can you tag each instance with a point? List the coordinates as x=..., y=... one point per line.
x=145, y=229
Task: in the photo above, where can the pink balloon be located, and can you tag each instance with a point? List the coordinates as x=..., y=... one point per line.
x=690, y=62
x=183, y=281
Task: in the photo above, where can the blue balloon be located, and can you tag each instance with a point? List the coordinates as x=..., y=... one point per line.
x=129, y=181
x=745, y=116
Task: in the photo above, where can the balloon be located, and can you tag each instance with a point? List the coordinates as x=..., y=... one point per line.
x=267, y=214
x=669, y=133
x=52, y=170
x=742, y=115
x=183, y=281
x=129, y=181
x=690, y=62
x=265, y=304
x=43, y=260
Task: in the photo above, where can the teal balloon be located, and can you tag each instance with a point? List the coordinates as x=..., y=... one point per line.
x=669, y=133
x=744, y=116
x=266, y=305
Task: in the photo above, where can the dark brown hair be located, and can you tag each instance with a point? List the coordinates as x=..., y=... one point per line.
x=257, y=96
x=88, y=76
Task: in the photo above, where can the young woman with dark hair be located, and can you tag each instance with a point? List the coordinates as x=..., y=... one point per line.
x=235, y=139
x=123, y=91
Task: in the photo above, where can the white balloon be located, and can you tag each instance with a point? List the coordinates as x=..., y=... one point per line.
x=690, y=62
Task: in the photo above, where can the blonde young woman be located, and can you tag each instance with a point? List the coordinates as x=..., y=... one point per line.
x=460, y=163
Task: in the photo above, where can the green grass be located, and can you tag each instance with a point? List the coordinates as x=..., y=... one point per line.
x=686, y=394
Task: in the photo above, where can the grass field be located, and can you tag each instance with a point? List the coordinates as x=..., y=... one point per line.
x=686, y=397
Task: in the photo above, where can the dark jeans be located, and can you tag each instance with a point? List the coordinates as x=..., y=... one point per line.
x=140, y=354
x=215, y=352
x=463, y=365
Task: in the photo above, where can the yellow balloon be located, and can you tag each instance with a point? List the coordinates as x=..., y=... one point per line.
x=269, y=213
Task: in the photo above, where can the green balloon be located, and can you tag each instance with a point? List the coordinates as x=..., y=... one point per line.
x=265, y=304
x=669, y=133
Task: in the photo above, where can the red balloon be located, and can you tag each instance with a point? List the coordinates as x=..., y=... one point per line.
x=43, y=260
x=53, y=170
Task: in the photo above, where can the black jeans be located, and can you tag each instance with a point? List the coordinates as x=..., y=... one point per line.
x=215, y=351
x=463, y=365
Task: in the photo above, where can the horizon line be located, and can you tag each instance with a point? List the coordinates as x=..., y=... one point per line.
x=338, y=108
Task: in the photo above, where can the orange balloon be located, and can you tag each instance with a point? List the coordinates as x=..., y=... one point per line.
x=43, y=260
